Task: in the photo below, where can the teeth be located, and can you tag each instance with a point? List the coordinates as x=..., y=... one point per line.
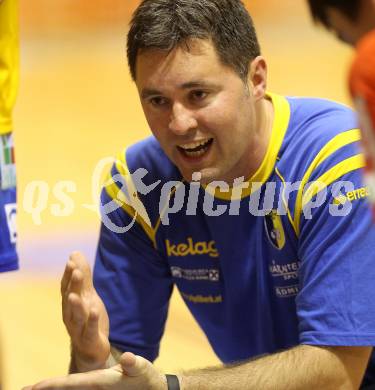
x=194, y=145
x=196, y=154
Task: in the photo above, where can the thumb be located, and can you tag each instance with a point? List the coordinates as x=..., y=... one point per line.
x=133, y=365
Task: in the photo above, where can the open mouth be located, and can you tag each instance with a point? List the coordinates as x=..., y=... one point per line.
x=196, y=149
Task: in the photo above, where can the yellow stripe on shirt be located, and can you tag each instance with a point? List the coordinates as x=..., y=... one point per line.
x=329, y=148
x=337, y=171
x=130, y=202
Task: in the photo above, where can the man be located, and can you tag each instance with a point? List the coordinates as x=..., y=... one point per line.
x=8, y=90
x=354, y=23
x=248, y=202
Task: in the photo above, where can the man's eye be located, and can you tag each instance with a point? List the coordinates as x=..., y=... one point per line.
x=158, y=101
x=198, y=95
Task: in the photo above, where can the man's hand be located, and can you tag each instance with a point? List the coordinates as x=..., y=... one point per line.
x=84, y=315
x=133, y=373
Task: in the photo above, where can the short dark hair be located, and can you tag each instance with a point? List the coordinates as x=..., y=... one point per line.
x=349, y=8
x=166, y=24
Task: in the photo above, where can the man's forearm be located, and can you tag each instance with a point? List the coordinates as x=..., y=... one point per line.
x=303, y=367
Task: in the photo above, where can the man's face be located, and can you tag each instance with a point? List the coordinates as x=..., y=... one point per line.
x=200, y=111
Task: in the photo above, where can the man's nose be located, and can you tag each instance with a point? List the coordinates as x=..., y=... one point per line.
x=182, y=119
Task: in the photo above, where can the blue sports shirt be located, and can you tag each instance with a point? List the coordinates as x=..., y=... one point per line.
x=288, y=260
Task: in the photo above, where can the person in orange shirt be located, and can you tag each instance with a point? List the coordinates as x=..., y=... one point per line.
x=354, y=23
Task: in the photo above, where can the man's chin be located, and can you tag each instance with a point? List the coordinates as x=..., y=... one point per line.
x=204, y=176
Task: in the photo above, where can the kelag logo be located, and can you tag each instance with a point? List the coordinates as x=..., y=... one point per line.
x=191, y=249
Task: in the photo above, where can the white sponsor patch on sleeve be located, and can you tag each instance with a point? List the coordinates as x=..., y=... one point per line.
x=11, y=213
x=7, y=162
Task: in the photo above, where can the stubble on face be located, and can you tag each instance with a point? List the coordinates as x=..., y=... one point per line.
x=227, y=115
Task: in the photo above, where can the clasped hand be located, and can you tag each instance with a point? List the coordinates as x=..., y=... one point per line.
x=87, y=323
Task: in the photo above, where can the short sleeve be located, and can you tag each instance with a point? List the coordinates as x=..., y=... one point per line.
x=335, y=305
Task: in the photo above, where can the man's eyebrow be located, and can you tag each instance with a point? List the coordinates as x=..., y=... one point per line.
x=147, y=92
x=197, y=84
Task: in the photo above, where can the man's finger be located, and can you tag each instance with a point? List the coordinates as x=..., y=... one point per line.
x=70, y=266
x=78, y=312
x=74, y=287
x=81, y=263
x=86, y=381
x=67, y=308
x=134, y=365
x=91, y=330
x=76, y=282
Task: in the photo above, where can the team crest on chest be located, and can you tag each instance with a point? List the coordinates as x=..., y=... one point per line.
x=274, y=229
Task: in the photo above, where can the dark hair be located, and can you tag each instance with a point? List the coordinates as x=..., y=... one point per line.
x=349, y=8
x=166, y=24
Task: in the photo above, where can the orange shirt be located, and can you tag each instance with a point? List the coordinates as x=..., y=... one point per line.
x=362, y=88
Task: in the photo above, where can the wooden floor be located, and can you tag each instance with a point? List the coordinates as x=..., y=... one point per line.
x=36, y=346
x=76, y=106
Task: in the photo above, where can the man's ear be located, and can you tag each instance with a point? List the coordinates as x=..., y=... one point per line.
x=258, y=77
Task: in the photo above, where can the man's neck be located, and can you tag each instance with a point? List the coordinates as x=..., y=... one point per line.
x=264, y=130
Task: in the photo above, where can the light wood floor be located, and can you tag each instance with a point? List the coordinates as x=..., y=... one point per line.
x=35, y=344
